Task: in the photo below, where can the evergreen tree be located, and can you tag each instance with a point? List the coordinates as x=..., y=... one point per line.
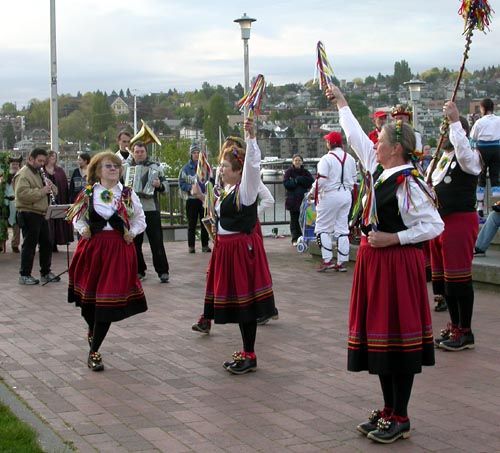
x=9, y=109
x=215, y=117
x=9, y=135
x=102, y=115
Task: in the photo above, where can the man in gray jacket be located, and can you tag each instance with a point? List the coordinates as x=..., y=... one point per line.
x=151, y=207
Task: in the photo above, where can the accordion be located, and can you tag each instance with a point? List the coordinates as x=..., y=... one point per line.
x=141, y=178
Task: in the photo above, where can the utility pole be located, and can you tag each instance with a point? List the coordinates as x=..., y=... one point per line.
x=54, y=118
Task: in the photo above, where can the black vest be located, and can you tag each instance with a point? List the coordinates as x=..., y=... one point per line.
x=232, y=219
x=389, y=217
x=97, y=223
x=459, y=194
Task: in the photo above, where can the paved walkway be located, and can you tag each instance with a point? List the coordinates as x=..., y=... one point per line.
x=164, y=388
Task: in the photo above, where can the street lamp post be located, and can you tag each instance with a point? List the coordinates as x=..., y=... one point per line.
x=414, y=85
x=245, y=24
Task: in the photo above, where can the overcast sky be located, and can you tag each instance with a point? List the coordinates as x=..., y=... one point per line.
x=155, y=45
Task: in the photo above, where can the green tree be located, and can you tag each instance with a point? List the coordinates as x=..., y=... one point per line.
x=38, y=114
x=432, y=142
x=215, y=117
x=102, y=115
x=402, y=73
x=370, y=80
x=9, y=135
x=174, y=153
x=9, y=109
x=199, y=118
x=74, y=127
x=361, y=112
x=301, y=129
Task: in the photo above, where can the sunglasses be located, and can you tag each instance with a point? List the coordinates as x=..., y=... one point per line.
x=110, y=166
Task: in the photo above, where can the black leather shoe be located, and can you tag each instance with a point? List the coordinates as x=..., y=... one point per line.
x=94, y=361
x=203, y=325
x=240, y=364
x=371, y=424
x=246, y=366
x=445, y=335
x=440, y=304
x=389, y=430
x=237, y=357
x=458, y=341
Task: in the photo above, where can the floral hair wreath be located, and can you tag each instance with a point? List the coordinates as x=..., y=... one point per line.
x=234, y=152
x=237, y=140
x=399, y=131
x=415, y=155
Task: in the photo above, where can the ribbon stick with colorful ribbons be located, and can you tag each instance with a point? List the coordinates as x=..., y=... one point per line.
x=323, y=68
x=253, y=98
x=204, y=174
x=477, y=15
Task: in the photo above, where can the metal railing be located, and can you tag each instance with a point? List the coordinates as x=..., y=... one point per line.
x=173, y=207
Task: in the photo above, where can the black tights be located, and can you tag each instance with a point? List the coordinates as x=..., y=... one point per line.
x=461, y=307
x=396, y=389
x=98, y=329
x=248, y=334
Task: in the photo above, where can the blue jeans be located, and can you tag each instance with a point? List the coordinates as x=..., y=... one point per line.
x=488, y=231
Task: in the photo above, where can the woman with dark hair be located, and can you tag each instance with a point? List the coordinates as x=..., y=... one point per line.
x=79, y=177
x=390, y=326
x=61, y=233
x=239, y=287
x=297, y=181
x=103, y=277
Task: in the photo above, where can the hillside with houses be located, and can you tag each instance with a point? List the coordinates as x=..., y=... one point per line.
x=293, y=117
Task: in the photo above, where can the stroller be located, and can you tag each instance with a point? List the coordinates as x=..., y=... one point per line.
x=307, y=220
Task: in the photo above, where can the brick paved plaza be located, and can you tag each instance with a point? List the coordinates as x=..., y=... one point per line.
x=164, y=388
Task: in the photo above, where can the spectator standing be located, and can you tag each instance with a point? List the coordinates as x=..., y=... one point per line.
x=151, y=207
x=14, y=166
x=79, y=177
x=427, y=156
x=61, y=232
x=297, y=181
x=193, y=197
x=31, y=193
x=485, y=134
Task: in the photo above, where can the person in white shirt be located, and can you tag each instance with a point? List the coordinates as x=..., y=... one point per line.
x=103, y=279
x=455, y=180
x=485, y=134
x=335, y=180
x=123, y=141
x=239, y=285
x=390, y=325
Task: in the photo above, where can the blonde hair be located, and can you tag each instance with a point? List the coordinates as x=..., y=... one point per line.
x=95, y=166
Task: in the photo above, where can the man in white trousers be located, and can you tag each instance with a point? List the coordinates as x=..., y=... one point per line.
x=335, y=180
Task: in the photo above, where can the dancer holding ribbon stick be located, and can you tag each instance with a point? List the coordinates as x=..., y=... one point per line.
x=390, y=327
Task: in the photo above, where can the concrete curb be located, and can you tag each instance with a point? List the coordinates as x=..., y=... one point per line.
x=49, y=441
